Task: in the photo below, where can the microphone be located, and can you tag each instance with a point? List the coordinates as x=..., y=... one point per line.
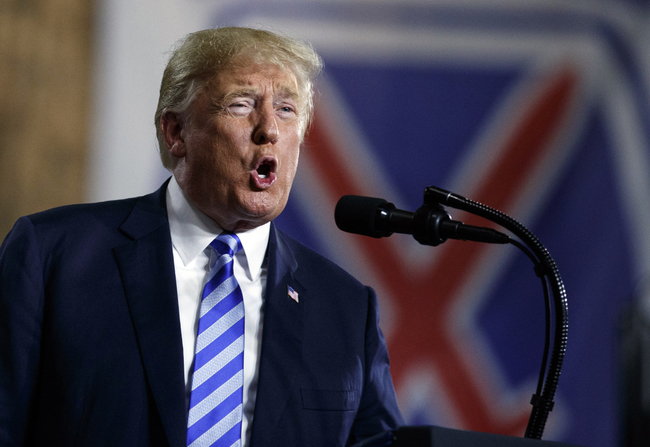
x=429, y=225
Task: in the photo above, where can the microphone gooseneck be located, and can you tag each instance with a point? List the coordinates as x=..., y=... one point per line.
x=429, y=225
x=432, y=225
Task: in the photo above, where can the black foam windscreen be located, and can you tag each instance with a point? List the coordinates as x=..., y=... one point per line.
x=358, y=214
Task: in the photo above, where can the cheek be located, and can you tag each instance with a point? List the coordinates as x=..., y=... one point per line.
x=226, y=138
x=292, y=165
x=293, y=151
x=224, y=156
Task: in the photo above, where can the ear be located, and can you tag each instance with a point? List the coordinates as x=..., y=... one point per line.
x=172, y=129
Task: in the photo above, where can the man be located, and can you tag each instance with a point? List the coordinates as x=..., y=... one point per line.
x=100, y=304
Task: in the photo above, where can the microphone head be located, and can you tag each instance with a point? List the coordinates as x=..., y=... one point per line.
x=360, y=215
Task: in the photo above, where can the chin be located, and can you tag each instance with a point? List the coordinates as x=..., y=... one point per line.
x=264, y=206
x=258, y=216
x=263, y=216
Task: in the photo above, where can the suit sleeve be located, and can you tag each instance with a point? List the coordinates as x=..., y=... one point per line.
x=21, y=313
x=378, y=410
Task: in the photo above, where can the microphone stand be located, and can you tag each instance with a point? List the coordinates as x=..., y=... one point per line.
x=546, y=269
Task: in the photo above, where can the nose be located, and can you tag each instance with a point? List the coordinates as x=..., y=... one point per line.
x=266, y=131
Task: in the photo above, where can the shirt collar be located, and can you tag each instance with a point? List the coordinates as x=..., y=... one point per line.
x=192, y=231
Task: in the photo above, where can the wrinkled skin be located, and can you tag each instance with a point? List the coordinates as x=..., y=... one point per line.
x=235, y=158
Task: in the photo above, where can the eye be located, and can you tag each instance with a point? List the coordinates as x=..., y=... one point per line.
x=286, y=111
x=240, y=106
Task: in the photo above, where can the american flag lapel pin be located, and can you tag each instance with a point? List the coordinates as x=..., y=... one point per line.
x=292, y=293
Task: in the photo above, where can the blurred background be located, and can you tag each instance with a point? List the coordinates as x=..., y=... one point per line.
x=538, y=108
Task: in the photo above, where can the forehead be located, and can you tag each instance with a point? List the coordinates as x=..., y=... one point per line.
x=255, y=77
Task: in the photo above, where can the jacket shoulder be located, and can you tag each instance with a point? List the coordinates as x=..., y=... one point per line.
x=107, y=214
x=87, y=223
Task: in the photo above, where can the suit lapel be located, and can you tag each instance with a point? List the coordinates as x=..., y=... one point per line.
x=281, y=353
x=147, y=268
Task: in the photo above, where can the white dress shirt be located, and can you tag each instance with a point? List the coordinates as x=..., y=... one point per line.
x=191, y=233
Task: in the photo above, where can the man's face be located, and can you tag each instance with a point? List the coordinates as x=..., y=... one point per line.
x=237, y=155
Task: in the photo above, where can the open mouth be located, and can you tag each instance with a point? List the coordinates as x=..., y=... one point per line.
x=264, y=173
x=264, y=170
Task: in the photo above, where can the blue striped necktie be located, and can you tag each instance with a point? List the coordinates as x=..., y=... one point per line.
x=216, y=405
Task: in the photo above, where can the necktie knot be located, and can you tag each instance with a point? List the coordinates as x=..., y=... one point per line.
x=226, y=243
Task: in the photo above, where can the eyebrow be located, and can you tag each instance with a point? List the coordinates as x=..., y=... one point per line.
x=247, y=92
x=289, y=93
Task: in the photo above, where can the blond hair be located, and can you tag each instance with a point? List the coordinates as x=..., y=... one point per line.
x=201, y=55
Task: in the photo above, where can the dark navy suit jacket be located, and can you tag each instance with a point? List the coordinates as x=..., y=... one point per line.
x=90, y=345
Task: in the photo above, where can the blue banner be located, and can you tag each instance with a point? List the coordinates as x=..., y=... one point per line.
x=539, y=111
